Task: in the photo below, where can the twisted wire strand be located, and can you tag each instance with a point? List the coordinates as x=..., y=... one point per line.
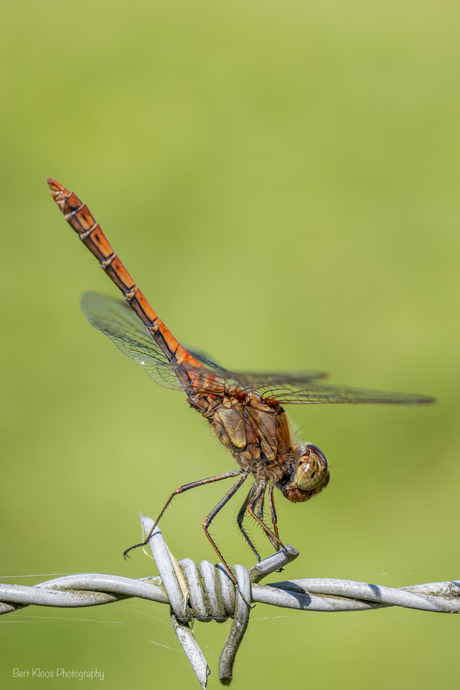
x=205, y=592
x=93, y=589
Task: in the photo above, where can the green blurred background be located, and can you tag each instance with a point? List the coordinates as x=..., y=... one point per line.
x=282, y=180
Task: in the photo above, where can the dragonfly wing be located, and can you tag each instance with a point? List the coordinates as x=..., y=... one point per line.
x=306, y=388
x=119, y=323
x=265, y=383
x=316, y=394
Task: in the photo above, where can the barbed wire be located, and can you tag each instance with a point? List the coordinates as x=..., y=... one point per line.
x=206, y=593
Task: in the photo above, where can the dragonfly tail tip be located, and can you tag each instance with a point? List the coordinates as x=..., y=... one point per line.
x=55, y=187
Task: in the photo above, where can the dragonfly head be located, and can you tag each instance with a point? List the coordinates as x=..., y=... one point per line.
x=308, y=476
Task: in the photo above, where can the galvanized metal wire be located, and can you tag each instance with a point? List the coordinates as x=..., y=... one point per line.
x=206, y=593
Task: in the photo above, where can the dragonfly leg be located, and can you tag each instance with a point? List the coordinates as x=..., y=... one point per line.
x=240, y=519
x=260, y=507
x=259, y=511
x=212, y=515
x=252, y=506
x=271, y=502
x=181, y=490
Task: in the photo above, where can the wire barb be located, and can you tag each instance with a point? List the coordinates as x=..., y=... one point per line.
x=206, y=593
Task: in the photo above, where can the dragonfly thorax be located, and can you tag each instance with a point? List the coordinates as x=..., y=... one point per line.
x=254, y=430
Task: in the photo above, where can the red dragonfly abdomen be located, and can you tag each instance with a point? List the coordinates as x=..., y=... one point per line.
x=89, y=231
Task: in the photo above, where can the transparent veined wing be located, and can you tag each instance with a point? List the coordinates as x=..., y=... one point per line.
x=306, y=388
x=118, y=322
x=315, y=394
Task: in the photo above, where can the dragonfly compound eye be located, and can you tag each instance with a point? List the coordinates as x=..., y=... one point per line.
x=312, y=469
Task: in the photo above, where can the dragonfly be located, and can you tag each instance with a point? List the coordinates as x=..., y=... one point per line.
x=245, y=410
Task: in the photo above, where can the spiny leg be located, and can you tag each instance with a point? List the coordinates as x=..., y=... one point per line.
x=181, y=490
x=273, y=538
x=212, y=515
x=260, y=508
x=240, y=518
x=271, y=503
